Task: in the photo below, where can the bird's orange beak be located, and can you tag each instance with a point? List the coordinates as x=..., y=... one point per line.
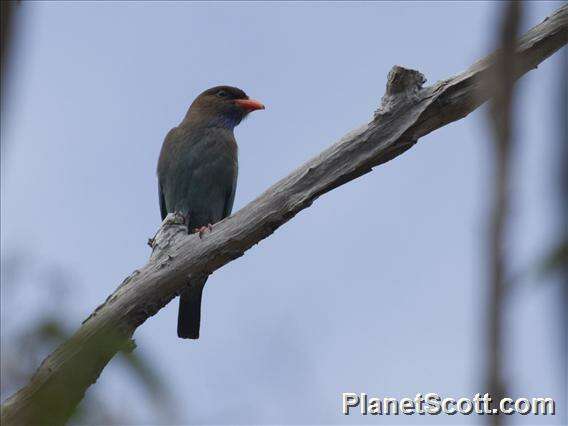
x=249, y=104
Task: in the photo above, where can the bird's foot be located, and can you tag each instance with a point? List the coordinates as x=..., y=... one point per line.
x=203, y=229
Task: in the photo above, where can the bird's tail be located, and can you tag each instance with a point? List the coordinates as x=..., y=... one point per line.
x=189, y=315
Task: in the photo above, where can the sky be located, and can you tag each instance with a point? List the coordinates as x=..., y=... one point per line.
x=378, y=287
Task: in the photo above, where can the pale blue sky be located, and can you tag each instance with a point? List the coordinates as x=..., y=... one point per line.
x=378, y=287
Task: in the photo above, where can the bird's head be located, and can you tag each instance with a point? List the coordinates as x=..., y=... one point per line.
x=221, y=106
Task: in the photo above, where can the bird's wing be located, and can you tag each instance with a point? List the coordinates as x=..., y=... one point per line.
x=229, y=202
x=163, y=209
x=163, y=165
x=230, y=198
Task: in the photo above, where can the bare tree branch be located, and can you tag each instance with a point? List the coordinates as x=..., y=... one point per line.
x=501, y=118
x=407, y=112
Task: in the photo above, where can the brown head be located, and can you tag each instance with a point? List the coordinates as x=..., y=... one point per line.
x=221, y=106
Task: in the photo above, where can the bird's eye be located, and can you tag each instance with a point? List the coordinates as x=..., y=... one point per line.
x=222, y=94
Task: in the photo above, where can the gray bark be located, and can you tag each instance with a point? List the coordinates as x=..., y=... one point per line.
x=407, y=112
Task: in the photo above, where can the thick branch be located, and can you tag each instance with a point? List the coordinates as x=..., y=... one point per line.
x=407, y=112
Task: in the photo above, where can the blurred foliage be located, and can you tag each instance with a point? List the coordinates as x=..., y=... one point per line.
x=24, y=347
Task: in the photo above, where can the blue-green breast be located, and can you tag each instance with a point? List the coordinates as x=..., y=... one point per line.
x=197, y=173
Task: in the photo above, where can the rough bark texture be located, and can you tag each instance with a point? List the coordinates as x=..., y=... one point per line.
x=407, y=112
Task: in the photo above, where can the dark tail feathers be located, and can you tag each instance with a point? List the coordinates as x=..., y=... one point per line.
x=189, y=315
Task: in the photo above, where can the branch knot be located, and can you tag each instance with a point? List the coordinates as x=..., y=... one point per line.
x=402, y=85
x=401, y=80
x=172, y=229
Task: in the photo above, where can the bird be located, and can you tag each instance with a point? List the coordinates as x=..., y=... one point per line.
x=197, y=176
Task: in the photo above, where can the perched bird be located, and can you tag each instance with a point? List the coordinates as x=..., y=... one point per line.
x=197, y=176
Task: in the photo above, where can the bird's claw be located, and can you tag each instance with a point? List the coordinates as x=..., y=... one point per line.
x=203, y=229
